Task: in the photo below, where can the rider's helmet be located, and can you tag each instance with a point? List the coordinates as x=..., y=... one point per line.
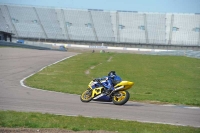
x=115, y=79
x=111, y=74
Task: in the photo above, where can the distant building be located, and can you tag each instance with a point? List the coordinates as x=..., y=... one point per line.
x=5, y=35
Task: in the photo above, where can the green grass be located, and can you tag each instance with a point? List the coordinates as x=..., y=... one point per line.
x=164, y=79
x=9, y=47
x=37, y=120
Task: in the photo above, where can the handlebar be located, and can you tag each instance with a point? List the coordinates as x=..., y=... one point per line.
x=98, y=80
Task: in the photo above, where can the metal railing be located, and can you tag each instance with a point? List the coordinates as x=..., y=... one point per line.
x=37, y=36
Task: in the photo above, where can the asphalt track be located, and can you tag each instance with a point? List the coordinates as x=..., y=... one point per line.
x=16, y=64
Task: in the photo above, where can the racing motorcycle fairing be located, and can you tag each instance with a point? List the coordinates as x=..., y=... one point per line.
x=97, y=91
x=126, y=85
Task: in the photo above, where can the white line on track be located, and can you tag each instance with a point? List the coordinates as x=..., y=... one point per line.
x=22, y=81
x=192, y=107
x=186, y=107
x=162, y=123
x=169, y=105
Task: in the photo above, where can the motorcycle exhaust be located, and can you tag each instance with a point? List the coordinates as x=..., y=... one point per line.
x=116, y=89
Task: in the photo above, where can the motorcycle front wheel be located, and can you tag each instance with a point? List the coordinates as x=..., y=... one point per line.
x=86, y=96
x=120, y=97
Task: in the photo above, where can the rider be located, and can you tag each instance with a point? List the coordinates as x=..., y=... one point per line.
x=110, y=81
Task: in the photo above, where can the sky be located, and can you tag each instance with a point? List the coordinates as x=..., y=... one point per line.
x=161, y=6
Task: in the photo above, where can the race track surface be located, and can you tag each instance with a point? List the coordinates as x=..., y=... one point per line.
x=16, y=64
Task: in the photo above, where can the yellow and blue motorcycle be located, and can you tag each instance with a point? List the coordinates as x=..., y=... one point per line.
x=96, y=91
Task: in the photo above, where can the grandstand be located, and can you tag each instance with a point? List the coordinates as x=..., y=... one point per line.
x=92, y=25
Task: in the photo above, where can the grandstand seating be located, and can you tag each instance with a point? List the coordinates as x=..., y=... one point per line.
x=61, y=21
x=79, y=25
x=156, y=28
x=50, y=23
x=129, y=27
x=113, y=16
x=100, y=26
x=168, y=28
x=5, y=14
x=26, y=22
x=103, y=26
x=184, y=29
x=3, y=25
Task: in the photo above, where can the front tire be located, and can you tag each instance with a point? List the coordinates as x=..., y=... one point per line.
x=86, y=96
x=121, y=98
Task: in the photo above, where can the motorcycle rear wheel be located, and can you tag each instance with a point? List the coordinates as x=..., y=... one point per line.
x=121, y=98
x=86, y=96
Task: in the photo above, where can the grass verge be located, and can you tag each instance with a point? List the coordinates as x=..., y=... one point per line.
x=165, y=79
x=37, y=120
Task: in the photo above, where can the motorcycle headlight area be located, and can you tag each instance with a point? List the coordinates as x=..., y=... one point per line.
x=94, y=85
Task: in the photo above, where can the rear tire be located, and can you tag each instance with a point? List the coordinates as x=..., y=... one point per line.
x=86, y=96
x=122, y=98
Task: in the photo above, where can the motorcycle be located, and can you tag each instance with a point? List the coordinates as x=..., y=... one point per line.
x=96, y=91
